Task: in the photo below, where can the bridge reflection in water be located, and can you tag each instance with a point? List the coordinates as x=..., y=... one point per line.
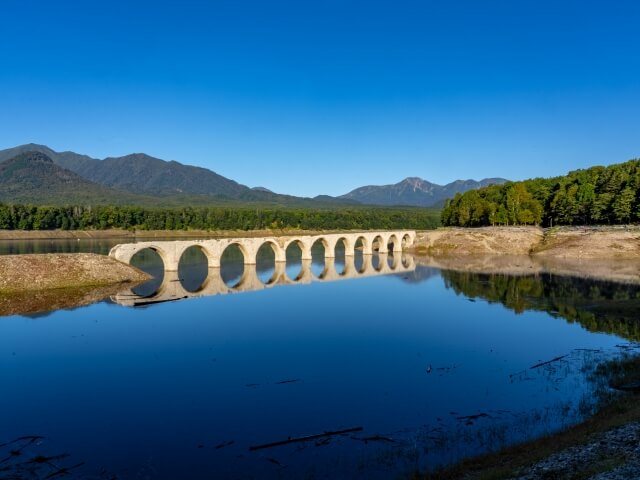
x=365, y=254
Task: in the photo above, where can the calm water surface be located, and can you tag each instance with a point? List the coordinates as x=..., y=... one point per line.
x=433, y=365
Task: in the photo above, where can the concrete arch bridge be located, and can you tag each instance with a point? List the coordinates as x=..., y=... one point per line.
x=171, y=251
x=381, y=255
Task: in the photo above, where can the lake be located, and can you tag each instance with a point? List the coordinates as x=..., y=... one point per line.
x=418, y=369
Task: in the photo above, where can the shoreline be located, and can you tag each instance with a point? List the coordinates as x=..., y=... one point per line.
x=602, y=447
x=585, y=243
x=16, y=235
x=35, y=283
x=52, y=271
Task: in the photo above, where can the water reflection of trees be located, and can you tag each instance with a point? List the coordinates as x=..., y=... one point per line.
x=598, y=306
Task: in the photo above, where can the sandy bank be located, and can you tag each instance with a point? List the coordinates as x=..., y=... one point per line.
x=25, y=273
x=476, y=241
x=560, y=243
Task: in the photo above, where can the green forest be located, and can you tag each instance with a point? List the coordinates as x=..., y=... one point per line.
x=31, y=217
x=594, y=196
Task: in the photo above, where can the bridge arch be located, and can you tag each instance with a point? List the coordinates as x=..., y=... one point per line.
x=163, y=254
x=193, y=272
x=232, y=270
x=363, y=244
x=278, y=251
x=378, y=244
x=184, y=246
x=393, y=244
x=406, y=240
x=347, y=244
x=270, y=265
x=342, y=252
x=296, y=252
x=303, y=244
x=320, y=259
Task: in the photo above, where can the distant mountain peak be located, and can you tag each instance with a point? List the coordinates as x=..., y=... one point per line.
x=32, y=156
x=262, y=189
x=414, y=191
x=413, y=180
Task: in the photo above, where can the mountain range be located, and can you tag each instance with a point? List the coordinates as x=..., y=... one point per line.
x=37, y=174
x=415, y=191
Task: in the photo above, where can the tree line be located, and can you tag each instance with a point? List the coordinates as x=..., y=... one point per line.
x=37, y=217
x=598, y=195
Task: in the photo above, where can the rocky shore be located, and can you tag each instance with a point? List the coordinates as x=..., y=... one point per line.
x=27, y=273
x=615, y=242
x=32, y=284
x=612, y=455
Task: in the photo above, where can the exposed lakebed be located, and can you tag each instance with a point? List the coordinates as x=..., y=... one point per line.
x=415, y=369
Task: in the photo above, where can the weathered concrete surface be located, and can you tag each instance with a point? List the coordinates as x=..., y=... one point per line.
x=22, y=273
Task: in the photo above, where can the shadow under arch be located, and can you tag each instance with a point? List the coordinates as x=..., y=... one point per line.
x=361, y=254
x=406, y=241
x=151, y=260
x=406, y=260
x=193, y=268
x=267, y=262
x=232, y=264
x=294, y=251
x=319, y=249
x=393, y=244
x=378, y=260
x=377, y=244
x=393, y=260
x=340, y=254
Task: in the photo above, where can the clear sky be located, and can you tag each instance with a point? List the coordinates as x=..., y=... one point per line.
x=321, y=96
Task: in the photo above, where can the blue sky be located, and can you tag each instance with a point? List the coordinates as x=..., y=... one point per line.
x=310, y=97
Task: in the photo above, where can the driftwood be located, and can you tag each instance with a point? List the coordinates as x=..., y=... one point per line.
x=537, y=365
x=627, y=387
x=28, y=438
x=305, y=438
x=474, y=417
x=375, y=438
x=224, y=444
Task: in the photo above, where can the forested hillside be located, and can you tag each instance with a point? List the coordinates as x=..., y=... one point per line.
x=598, y=195
x=27, y=217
